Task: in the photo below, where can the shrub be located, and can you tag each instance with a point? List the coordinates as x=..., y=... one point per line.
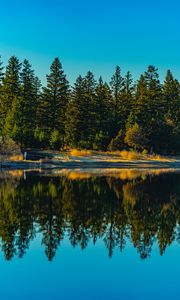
x=135, y=137
x=8, y=148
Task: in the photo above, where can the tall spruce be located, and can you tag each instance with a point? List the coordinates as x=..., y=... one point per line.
x=10, y=99
x=28, y=104
x=127, y=100
x=117, y=88
x=171, y=97
x=54, y=100
x=104, y=116
x=76, y=115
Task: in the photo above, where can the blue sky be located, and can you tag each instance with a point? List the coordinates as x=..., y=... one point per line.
x=92, y=35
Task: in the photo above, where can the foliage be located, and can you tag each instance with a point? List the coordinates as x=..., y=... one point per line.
x=92, y=114
x=135, y=137
x=8, y=147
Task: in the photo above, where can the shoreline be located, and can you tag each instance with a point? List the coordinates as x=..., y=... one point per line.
x=50, y=165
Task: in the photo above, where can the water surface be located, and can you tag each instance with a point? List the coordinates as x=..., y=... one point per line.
x=90, y=235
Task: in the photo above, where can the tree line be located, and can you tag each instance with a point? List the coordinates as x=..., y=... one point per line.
x=84, y=210
x=143, y=115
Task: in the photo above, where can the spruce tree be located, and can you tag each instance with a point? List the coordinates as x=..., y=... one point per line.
x=10, y=98
x=28, y=104
x=54, y=100
x=171, y=97
x=76, y=113
x=127, y=100
x=104, y=114
x=117, y=88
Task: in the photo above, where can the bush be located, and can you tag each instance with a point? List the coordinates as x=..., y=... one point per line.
x=135, y=137
x=9, y=148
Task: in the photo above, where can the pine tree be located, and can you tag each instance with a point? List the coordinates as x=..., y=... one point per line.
x=90, y=105
x=54, y=100
x=127, y=100
x=171, y=97
x=139, y=109
x=76, y=113
x=28, y=104
x=104, y=113
x=10, y=96
x=171, y=93
x=117, y=87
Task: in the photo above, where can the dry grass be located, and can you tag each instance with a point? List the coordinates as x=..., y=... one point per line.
x=16, y=173
x=16, y=157
x=76, y=152
x=78, y=176
x=130, y=155
x=133, y=155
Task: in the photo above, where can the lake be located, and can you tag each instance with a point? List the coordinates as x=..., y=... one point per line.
x=93, y=234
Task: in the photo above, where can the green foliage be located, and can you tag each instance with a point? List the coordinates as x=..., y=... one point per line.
x=91, y=115
x=55, y=140
x=53, y=101
x=8, y=146
x=135, y=137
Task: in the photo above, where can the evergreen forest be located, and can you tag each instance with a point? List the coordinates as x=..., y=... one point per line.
x=143, y=114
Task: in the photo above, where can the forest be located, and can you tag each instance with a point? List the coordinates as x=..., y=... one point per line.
x=143, y=114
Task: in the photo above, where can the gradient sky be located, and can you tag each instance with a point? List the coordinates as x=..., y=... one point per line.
x=92, y=35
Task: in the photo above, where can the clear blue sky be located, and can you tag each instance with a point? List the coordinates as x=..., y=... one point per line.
x=94, y=34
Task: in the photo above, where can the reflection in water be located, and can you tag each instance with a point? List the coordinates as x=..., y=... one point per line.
x=128, y=206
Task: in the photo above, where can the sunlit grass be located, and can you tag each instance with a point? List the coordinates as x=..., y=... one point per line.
x=14, y=158
x=76, y=152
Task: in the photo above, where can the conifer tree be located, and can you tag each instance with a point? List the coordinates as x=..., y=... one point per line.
x=171, y=97
x=54, y=100
x=76, y=114
x=117, y=88
x=127, y=100
x=171, y=93
x=28, y=104
x=10, y=97
x=104, y=113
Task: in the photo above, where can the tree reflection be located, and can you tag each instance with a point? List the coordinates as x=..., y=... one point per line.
x=142, y=209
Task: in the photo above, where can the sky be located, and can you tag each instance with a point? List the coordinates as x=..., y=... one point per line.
x=92, y=35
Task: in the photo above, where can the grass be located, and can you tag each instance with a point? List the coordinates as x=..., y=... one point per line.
x=76, y=152
x=124, y=154
x=130, y=155
x=18, y=157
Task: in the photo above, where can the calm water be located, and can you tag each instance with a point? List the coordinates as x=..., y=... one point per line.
x=76, y=235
